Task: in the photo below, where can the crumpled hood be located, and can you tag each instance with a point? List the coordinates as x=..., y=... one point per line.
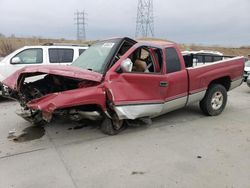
x=61, y=70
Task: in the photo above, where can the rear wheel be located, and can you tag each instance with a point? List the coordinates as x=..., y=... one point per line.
x=112, y=126
x=214, y=101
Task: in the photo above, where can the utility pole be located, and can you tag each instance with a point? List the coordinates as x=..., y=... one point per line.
x=145, y=19
x=80, y=25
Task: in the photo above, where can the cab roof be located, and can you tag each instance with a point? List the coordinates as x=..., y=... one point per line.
x=162, y=43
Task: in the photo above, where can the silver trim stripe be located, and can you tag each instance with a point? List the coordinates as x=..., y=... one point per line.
x=236, y=83
x=149, y=110
x=133, y=111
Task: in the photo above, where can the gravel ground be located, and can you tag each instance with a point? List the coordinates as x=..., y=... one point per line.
x=180, y=149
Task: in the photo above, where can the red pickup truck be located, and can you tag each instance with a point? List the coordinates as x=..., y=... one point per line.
x=119, y=80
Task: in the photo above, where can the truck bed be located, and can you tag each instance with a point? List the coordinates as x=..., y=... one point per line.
x=203, y=74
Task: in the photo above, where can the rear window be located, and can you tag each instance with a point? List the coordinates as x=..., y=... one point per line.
x=59, y=55
x=81, y=51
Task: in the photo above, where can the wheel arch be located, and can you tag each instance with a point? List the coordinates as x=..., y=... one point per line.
x=224, y=81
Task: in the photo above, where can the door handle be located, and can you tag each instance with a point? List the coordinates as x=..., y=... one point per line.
x=163, y=84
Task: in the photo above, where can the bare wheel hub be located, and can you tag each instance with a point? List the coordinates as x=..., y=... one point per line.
x=217, y=100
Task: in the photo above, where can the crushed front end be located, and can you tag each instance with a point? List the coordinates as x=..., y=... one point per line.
x=43, y=95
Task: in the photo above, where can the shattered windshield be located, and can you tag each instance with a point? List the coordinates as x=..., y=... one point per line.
x=96, y=57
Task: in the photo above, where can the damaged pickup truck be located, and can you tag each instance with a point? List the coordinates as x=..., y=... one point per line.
x=119, y=80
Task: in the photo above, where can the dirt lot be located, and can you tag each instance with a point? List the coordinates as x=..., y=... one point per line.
x=180, y=149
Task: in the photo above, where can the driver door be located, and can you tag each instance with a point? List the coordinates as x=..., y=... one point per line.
x=137, y=94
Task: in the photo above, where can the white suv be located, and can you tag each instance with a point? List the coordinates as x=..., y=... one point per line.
x=48, y=54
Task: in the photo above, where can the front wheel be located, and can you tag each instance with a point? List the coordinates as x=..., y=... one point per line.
x=112, y=126
x=214, y=101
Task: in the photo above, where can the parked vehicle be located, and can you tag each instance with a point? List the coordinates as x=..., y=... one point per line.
x=246, y=70
x=203, y=56
x=119, y=80
x=246, y=59
x=198, y=58
x=48, y=54
x=248, y=81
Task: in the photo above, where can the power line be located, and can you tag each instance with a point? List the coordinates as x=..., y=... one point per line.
x=80, y=25
x=145, y=19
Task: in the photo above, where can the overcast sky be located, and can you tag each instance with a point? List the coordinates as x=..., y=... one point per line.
x=222, y=22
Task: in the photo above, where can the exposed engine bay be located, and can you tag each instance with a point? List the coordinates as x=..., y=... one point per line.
x=31, y=89
x=49, y=84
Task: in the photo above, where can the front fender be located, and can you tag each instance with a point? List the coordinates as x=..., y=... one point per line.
x=83, y=96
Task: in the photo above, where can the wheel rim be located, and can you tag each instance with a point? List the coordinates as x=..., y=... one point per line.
x=217, y=100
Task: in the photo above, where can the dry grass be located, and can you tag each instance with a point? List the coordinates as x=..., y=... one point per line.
x=230, y=51
x=7, y=45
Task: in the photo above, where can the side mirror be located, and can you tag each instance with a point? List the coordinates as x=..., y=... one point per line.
x=15, y=60
x=126, y=65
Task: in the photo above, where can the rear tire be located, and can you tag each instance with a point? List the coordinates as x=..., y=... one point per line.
x=214, y=101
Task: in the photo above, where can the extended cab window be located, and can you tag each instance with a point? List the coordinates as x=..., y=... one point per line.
x=59, y=55
x=172, y=60
x=30, y=56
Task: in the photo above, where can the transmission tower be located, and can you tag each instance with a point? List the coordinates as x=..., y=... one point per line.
x=145, y=19
x=80, y=24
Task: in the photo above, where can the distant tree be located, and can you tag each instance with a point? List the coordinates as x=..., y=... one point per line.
x=2, y=35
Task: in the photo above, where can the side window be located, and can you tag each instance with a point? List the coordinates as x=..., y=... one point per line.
x=30, y=56
x=60, y=55
x=172, y=60
x=142, y=61
x=81, y=51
